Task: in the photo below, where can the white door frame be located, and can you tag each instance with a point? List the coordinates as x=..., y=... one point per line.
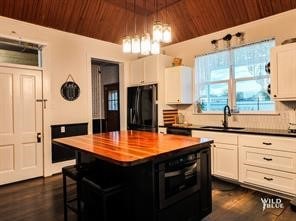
x=123, y=70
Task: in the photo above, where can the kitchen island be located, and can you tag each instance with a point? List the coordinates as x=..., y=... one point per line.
x=168, y=176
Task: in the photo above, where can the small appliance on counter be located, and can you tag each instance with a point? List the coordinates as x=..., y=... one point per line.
x=292, y=121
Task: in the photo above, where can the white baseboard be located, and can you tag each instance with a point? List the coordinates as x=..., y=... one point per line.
x=57, y=167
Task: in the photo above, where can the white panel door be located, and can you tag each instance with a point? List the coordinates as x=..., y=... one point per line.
x=21, y=155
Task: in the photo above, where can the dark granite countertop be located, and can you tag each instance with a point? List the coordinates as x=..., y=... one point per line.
x=255, y=131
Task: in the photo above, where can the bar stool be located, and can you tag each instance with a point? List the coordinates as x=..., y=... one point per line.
x=76, y=173
x=102, y=196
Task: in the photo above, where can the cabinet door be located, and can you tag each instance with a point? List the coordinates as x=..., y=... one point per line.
x=186, y=85
x=151, y=69
x=172, y=85
x=225, y=161
x=137, y=72
x=284, y=72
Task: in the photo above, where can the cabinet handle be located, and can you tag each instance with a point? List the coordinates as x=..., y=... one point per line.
x=267, y=143
x=268, y=178
x=267, y=159
x=274, y=95
x=214, y=145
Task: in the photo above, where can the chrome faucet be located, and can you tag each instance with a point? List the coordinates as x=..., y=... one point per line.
x=225, y=121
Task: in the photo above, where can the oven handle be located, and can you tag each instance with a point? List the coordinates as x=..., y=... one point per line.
x=178, y=172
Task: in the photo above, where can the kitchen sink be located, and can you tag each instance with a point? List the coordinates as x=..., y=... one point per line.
x=223, y=128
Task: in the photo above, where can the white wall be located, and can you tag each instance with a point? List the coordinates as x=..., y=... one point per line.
x=280, y=27
x=66, y=54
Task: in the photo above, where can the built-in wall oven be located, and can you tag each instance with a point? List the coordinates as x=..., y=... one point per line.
x=178, y=178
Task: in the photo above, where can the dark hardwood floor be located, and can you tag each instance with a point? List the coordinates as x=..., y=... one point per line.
x=41, y=200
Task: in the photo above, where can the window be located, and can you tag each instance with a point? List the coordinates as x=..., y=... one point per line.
x=113, y=100
x=18, y=52
x=236, y=77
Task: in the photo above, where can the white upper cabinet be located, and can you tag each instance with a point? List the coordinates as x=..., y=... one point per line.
x=136, y=72
x=283, y=72
x=178, y=85
x=147, y=70
x=151, y=64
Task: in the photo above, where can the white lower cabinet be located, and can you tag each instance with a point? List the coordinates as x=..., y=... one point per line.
x=162, y=130
x=263, y=162
x=224, y=153
x=268, y=162
x=225, y=160
x=269, y=179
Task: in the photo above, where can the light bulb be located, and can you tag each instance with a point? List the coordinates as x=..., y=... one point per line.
x=136, y=44
x=166, y=33
x=157, y=31
x=127, y=45
x=155, y=47
x=145, y=44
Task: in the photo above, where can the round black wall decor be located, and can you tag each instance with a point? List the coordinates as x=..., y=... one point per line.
x=70, y=91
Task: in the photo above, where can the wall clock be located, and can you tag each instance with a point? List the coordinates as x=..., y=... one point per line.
x=70, y=90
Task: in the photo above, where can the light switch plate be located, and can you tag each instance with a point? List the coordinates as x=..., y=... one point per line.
x=63, y=129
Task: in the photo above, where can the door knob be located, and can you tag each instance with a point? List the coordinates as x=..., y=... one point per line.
x=39, y=137
x=43, y=101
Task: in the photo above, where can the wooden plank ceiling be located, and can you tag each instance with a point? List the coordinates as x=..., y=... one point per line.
x=109, y=20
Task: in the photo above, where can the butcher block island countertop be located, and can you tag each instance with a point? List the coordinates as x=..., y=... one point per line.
x=127, y=148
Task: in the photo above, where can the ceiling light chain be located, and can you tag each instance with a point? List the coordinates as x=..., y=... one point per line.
x=126, y=42
x=136, y=41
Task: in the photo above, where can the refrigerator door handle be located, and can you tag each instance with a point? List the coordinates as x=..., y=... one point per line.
x=137, y=109
x=131, y=116
x=154, y=106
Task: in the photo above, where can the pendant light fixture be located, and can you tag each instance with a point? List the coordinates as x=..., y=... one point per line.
x=166, y=29
x=157, y=26
x=126, y=41
x=145, y=40
x=136, y=42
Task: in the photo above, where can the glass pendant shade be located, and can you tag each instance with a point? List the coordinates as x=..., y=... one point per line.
x=155, y=47
x=166, y=33
x=145, y=44
x=127, y=45
x=157, y=31
x=136, y=44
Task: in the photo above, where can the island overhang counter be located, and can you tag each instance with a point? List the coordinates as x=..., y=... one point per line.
x=151, y=165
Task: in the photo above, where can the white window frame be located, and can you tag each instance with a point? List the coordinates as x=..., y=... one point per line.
x=231, y=86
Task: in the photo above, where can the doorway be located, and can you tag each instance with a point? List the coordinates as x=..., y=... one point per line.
x=105, y=96
x=21, y=149
x=111, y=106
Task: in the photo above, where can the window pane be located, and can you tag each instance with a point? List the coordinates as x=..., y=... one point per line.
x=252, y=95
x=109, y=105
x=213, y=67
x=113, y=105
x=250, y=60
x=214, y=97
x=17, y=52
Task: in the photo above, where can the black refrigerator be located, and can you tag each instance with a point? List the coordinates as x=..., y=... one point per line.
x=142, y=108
